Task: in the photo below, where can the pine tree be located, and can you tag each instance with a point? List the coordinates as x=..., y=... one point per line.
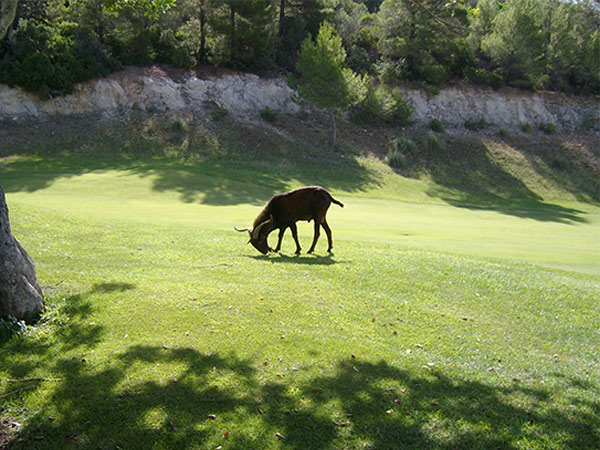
x=324, y=82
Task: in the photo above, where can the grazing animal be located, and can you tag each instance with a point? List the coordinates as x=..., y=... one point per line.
x=284, y=210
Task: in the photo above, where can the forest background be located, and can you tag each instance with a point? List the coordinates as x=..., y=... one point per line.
x=527, y=44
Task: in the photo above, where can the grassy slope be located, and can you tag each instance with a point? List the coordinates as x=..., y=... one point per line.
x=455, y=312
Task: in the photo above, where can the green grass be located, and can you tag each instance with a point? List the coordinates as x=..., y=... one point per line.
x=447, y=317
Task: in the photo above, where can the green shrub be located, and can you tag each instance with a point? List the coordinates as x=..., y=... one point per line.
x=395, y=108
x=404, y=146
x=476, y=124
x=548, y=128
x=431, y=89
x=526, y=128
x=436, y=125
x=396, y=160
x=433, y=143
x=382, y=105
x=178, y=125
x=590, y=121
x=434, y=74
x=218, y=113
x=47, y=60
x=268, y=114
x=503, y=133
x=368, y=110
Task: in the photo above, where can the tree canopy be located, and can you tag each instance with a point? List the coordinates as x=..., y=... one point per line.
x=529, y=44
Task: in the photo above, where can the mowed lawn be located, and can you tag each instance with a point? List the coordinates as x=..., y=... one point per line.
x=430, y=325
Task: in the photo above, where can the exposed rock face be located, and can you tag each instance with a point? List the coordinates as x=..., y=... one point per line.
x=20, y=294
x=152, y=89
x=155, y=89
x=455, y=106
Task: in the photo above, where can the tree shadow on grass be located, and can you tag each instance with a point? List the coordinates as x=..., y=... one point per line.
x=114, y=286
x=210, y=398
x=237, y=164
x=392, y=408
x=525, y=209
x=145, y=396
x=468, y=175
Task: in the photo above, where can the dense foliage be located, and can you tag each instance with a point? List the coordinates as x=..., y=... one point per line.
x=530, y=44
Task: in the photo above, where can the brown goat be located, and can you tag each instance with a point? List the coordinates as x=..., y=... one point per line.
x=284, y=210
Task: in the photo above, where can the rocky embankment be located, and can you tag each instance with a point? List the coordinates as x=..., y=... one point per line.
x=161, y=90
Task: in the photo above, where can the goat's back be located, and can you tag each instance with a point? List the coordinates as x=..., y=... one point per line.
x=304, y=203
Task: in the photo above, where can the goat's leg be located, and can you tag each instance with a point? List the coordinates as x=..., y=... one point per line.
x=316, y=238
x=281, y=231
x=295, y=235
x=329, y=238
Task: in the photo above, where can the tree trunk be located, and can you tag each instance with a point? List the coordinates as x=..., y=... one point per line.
x=232, y=48
x=8, y=11
x=334, y=128
x=20, y=294
x=202, y=31
x=281, y=17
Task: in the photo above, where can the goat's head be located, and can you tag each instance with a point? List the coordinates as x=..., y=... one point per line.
x=258, y=235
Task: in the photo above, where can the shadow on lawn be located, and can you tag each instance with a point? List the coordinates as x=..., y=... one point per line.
x=236, y=164
x=213, y=399
x=112, y=287
x=526, y=209
x=468, y=174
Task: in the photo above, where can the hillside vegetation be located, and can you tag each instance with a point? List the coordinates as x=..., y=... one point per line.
x=530, y=44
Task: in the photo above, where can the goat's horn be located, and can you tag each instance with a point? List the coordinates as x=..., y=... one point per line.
x=256, y=231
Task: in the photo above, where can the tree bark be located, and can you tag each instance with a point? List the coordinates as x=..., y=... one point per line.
x=232, y=43
x=202, y=31
x=8, y=11
x=281, y=17
x=20, y=294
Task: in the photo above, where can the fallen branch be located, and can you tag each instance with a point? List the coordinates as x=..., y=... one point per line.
x=17, y=391
x=25, y=380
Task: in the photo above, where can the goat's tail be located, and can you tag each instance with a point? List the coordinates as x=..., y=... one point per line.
x=336, y=202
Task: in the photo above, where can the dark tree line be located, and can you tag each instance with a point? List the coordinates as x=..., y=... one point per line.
x=530, y=44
